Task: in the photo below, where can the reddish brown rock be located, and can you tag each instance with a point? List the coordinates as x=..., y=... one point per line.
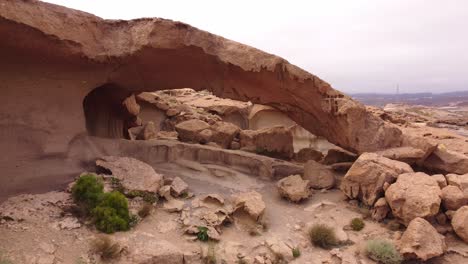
x=319, y=176
x=460, y=223
x=338, y=156
x=453, y=198
x=421, y=241
x=446, y=161
x=366, y=178
x=307, y=154
x=275, y=141
x=414, y=195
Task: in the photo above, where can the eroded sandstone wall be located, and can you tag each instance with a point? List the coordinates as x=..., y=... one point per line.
x=53, y=57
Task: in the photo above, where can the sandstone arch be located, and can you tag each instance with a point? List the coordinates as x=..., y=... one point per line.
x=53, y=57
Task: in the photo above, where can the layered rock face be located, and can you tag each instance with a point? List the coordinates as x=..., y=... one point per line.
x=65, y=73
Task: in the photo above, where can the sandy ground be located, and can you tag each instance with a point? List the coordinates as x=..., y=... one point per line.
x=37, y=239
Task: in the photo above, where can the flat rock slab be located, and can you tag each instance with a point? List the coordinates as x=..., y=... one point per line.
x=132, y=173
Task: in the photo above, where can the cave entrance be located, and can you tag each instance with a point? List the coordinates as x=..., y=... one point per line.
x=104, y=112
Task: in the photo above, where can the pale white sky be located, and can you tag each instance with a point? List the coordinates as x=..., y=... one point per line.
x=357, y=46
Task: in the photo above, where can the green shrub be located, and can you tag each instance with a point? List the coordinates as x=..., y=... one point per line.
x=87, y=190
x=296, y=252
x=357, y=224
x=323, y=236
x=112, y=213
x=147, y=196
x=105, y=247
x=202, y=233
x=382, y=251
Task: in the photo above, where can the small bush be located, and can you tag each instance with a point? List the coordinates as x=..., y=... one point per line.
x=382, y=251
x=296, y=252
x=147, y=196
x=112, y=214
x=145, y=210
x=105, y=247
x=202, y=233
x=323, y=236
x=87, y=190
x=357, y=224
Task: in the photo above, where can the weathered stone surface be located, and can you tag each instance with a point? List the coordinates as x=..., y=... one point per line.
x=414, y=195
x=275, y=141
x=380, y=210
x=224, y=133
x=71, y=55
x=453, y=198
x=342, y=166
x=307, y=154
x=460, y=223
x=132, y=173
x=461, y=181
x=131, y=105
x=408, y=155
x=149, y=131
x=424, y=144
x=421, y=241
x=367, y=176
x=251, y=202
x=319, y=176
x=189, y=130
x=294, y=188
x=446, y=161
x=338, y=156
x=441, y=180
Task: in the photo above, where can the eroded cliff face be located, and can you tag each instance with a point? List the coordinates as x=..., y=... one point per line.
x=53, y=57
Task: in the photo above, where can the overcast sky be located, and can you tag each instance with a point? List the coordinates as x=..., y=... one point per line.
x=356, y=46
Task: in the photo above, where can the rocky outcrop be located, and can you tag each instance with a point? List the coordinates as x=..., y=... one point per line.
x=460, y=223
x=191, y=131
x=380, y=210
x=409, y=155
x=294, y=188
x=414, y=195
x=132, y=173
x=275, y=142
x=90, y=65
x=446, y=161
x=366, y=178
x=461, y=181
x=453, y=198
x=319, y=176
x=224, y=133
x=421, y=241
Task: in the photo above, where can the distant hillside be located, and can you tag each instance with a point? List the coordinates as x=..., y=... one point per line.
x=429, y=99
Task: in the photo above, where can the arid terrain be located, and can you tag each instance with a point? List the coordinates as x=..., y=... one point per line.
x=112, y=159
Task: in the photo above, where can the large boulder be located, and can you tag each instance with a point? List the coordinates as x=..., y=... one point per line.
x=275, y=141
x=380, y=210
x=460, y=223
x=414, y=195
x=453, y=198
x=132, y=173
x=408, y=155
x=426, y=145
x=224, y=133
x=446, y=161
x=294, y=188
x=338, y=155
x=319, y=176
x=366, y=178
x=421, y=241
x=249, y=202
x=461, y=181
x=189, y=130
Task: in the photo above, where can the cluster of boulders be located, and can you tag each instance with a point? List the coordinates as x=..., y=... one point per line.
x=417, y=200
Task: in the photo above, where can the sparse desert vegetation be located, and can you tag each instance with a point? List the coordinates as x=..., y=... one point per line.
x=382, y=251
x=323, y=236
x=357, y=224
x=105, y=247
